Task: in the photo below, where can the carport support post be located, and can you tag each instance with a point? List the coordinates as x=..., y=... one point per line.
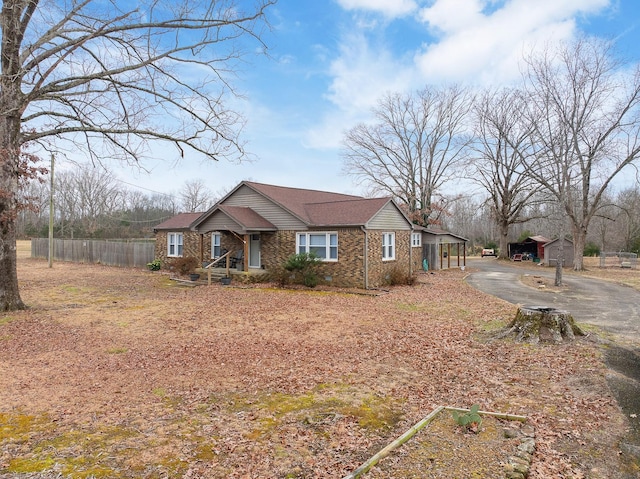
x=245, y=254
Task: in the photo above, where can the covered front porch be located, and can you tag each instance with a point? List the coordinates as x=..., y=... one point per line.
x=216, y=274
x=232, y=238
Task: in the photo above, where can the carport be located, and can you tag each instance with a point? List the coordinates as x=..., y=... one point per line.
x=442, y=249
x=533, y=246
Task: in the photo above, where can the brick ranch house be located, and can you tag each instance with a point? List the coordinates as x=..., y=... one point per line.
x=361, y=241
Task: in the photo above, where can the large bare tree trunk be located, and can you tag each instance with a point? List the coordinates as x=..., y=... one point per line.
x=9, y=293
x=503, y=252
x=10, y=120
x=579, y=240
x=9, y=160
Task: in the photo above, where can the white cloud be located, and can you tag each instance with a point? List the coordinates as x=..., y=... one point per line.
x=481, y=45
x=451, y=16
x=389, y=8
x=476, y=42
x=361, y=74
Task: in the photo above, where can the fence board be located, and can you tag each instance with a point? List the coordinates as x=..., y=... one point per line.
x=128, y=254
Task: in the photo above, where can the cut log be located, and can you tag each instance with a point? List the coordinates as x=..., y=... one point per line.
x=535, y=324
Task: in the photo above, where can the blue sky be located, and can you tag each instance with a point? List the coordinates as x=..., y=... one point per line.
x=331, y=60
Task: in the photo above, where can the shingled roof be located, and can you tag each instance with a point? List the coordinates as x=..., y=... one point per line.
x=322, y=208
x=181, y=221
x=344, y=213
x=247, y=218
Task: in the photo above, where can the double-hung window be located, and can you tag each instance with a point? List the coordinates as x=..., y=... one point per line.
x=215, y=245
x=388, y=246
x=174, y=244
x=416, y=239
x=322, y=245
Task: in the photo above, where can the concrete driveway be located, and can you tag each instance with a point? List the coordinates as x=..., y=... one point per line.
x=614, y=308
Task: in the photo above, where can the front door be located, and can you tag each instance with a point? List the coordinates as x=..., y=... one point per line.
x=254, y=251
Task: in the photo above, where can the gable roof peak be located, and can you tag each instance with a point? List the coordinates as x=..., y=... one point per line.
x=268, y=190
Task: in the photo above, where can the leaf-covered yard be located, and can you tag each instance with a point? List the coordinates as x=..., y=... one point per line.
x=121, y=373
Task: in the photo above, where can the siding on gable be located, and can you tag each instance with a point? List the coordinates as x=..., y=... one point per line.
x=280, y=218
x=389, y=218
x=218, y=222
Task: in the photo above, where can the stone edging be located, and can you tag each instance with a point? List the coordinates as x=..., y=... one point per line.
x=518, y=465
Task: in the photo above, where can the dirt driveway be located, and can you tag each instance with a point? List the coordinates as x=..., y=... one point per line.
x=613, y=307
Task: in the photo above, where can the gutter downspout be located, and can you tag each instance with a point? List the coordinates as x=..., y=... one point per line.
x=411, y=252
x=366, y=257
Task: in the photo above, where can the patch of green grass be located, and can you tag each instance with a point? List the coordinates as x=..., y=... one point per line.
x=376, y=413
x=160, y=392
x=271, y=410
x=590, y=328
x=492, y=325
x=121, y=350
x=409, y=307
x=19, y=427
x=30, y=465
x=72, y=288
x=95, y=451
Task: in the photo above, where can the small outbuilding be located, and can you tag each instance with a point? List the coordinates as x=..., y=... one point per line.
x=551, y=252
x=532, y=247
x=443, y=249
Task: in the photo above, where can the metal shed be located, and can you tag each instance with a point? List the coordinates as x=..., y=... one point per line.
x=551, y=252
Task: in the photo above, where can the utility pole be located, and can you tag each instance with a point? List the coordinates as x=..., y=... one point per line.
x=51, y=214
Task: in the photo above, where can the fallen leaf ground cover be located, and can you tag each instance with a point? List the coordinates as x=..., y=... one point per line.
x=123, y=373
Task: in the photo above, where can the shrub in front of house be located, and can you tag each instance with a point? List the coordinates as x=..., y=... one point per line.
x=303, y=269
x=154, y=265
x=399, y=277
x=185, y=265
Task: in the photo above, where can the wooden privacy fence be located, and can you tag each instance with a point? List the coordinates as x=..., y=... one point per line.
x=129, y=254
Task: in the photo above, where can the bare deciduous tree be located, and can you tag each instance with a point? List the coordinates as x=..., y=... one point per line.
x=414, y=147
x=501, y=146
x=195, y=197
x=586, y=115
x=108, y=77
x=628, y=202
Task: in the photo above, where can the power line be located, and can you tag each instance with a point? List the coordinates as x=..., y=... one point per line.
x=147, y=189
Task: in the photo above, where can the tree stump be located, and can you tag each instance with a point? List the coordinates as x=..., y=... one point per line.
x=535, y=324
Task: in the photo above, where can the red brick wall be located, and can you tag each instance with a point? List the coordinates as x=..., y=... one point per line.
x=346, y=272
x=276, y=247
x=380, y=271
x=190, y=246
x=417, y=258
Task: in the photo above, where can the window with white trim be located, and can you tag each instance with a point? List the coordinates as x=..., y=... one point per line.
x=416, y=239
x=215, y=245
x=174, y=244
x=388, y=246
x=323, y=245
